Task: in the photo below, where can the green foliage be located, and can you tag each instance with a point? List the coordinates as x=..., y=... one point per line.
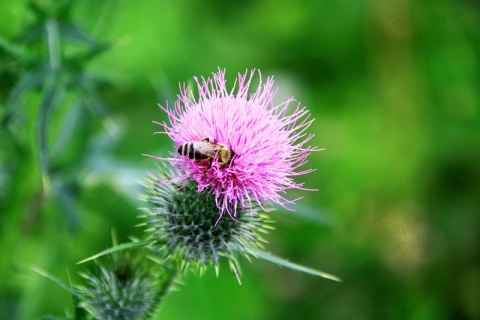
x=50, y=118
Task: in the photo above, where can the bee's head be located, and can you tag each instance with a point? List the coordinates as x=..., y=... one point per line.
x=225, y=155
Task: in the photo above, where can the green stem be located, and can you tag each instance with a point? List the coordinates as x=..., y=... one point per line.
x=48, y=101
x=165, y=288
x=53, y=38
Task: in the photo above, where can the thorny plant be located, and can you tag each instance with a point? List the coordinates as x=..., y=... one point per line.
x=200, y=207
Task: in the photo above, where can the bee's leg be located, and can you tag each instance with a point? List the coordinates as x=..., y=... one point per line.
x=205, y=139
x=230, y=163
x=214, y=140
x=208, y=167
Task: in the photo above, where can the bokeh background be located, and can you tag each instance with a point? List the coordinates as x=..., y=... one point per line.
x=393, y=85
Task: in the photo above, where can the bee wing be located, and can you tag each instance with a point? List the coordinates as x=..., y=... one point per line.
x=205, y=148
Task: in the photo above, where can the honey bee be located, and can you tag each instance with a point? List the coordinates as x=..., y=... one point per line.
x=206, y=150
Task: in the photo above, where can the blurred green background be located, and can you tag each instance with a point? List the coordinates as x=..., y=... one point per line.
x=394, y=87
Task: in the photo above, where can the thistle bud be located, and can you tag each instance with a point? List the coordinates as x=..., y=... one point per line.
x=121, y=288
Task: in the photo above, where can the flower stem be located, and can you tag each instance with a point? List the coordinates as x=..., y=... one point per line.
x=48, y=101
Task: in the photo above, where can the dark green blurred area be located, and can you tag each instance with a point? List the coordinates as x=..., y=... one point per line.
x=395, y=90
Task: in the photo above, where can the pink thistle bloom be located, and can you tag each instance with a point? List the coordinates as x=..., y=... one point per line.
x=268, y=141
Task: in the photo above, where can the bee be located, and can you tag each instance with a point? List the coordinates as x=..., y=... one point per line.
x=205, y=150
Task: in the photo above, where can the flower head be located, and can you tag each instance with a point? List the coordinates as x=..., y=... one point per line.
x=268, y=141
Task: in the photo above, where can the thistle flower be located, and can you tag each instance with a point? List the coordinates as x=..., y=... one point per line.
x=183, y=223
x=268, y=141
x=121, y=288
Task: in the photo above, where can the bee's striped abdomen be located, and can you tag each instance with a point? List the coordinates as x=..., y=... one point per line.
x=182, y=149
x=193, y=152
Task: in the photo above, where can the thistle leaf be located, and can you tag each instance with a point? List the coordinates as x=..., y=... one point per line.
x=60, y=283
x=265, y=256
x=119, y=247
